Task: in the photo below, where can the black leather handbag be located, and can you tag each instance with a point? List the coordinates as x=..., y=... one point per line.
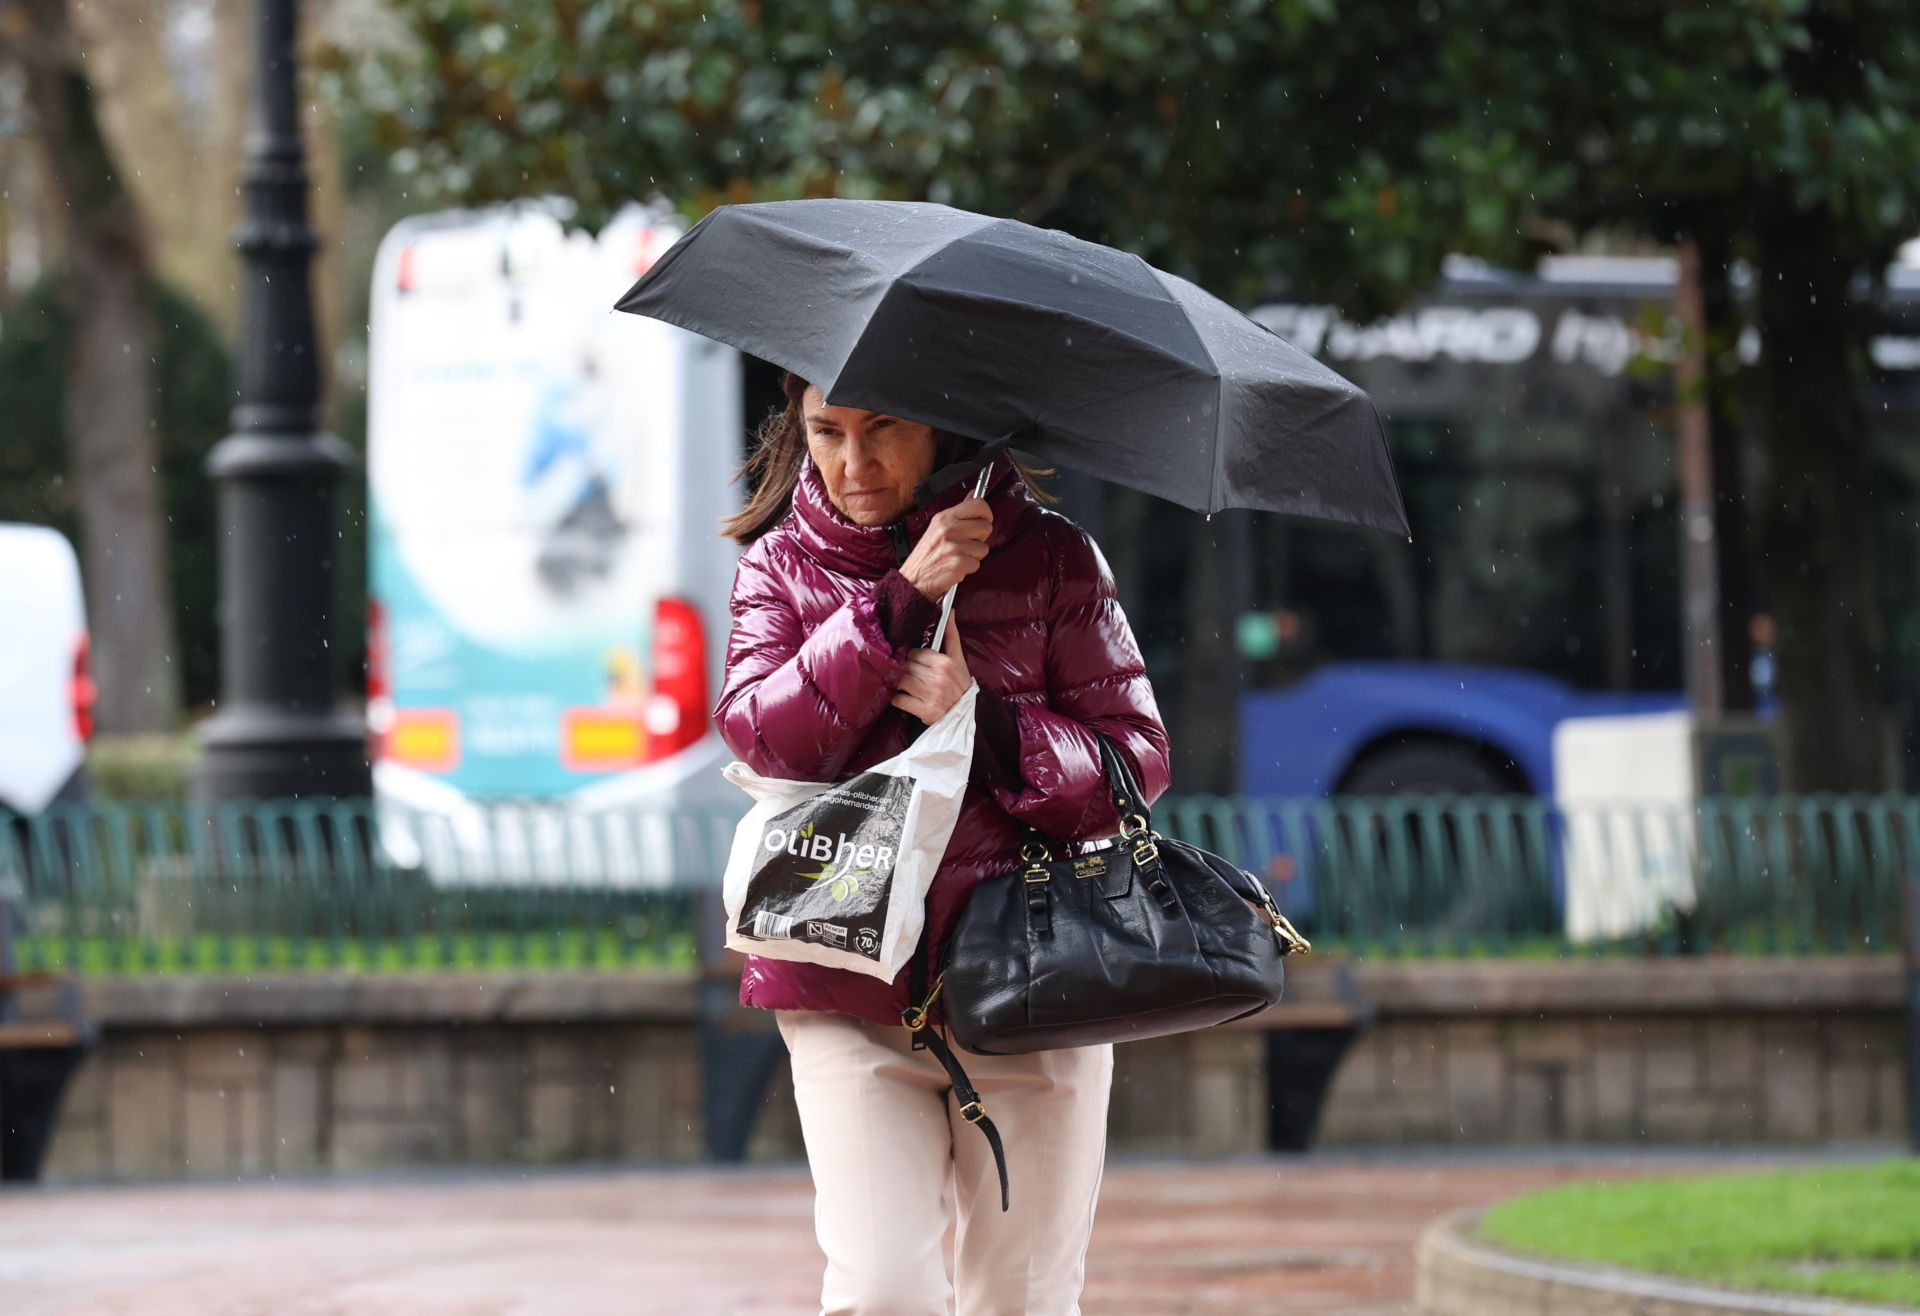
x=1139, y=938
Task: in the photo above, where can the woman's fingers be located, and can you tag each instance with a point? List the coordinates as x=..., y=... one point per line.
x=920, y=708
x=972, y=529
x=951, y=550
x=919, y=684
x=972, y=514
x=930, y=688
x=931, y=683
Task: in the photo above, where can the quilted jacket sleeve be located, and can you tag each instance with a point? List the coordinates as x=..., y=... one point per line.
x=1096, y=681
x=796, y=704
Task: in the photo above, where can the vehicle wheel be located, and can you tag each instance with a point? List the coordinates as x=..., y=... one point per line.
x=1442, y=895
x=1429, y=767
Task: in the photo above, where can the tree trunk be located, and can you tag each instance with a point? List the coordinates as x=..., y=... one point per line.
x=113, y=447
x=1206, y=727
x=1733, y=544
x=1815, y=523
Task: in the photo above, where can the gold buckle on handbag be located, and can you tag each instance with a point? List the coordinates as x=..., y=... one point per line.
x=916, y=1016
x=1145, y=841
x=1290, y=940
x=973, y=1112
x=1299, y=944
x=1036, y=857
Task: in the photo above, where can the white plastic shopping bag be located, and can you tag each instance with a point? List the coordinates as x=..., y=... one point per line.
x=836, y=873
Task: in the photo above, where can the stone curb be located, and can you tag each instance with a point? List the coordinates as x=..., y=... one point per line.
x=1394, y=989
x=1759, y=984
x=1458, y=1275
x=421, y=998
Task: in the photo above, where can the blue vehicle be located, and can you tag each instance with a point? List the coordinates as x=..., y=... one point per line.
x=1384, y=728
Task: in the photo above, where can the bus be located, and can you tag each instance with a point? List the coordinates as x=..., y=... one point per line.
x=1530, y=419
x=548, y=587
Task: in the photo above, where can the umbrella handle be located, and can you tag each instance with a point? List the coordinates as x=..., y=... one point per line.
x=946, y=604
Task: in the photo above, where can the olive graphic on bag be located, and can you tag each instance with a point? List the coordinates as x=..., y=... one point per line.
x=845, y=881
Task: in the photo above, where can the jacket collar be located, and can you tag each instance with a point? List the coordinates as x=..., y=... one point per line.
x=868, y=551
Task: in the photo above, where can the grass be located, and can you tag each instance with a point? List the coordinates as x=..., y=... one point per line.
x=1848, y=1231
x=568, y=948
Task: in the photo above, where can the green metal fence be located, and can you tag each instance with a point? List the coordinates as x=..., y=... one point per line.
x=110, y=889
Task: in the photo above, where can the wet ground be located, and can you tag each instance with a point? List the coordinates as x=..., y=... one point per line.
x=1321, y=1235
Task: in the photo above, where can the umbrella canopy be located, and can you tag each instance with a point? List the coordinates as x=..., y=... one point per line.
x=1081, y=354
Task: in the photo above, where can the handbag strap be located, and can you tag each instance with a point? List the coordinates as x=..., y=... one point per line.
x=1135, y=825
x=1129, y=800
x=917, y=1019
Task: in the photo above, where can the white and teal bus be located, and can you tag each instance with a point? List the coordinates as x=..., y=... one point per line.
x=548, y=592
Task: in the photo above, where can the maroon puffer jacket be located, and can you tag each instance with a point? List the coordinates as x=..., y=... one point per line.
x=811, y=670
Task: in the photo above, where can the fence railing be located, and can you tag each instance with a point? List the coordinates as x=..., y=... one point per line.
x=111, y=889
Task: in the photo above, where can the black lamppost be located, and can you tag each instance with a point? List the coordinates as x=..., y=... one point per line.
x=279, y=730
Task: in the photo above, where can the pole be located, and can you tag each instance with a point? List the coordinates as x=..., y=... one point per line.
x=1699, y=557
x=279, y=731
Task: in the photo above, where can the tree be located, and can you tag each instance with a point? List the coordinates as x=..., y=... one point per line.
x=1344, y=147
x=192, y=404
x=1785, y=134
x=109, y=414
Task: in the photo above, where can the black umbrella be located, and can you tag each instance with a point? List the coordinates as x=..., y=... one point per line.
x=1078, y=353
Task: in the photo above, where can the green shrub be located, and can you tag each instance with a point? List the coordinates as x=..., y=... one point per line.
x=142, y=769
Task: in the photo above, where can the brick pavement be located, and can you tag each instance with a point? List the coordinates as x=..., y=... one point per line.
x=1263, y=1237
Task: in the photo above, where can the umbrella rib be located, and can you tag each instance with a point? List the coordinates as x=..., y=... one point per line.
x=1219, y=400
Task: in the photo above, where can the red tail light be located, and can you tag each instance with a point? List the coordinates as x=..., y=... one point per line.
x=648, y=246
x=379, y=681
x=676, y=712
x=83, y=692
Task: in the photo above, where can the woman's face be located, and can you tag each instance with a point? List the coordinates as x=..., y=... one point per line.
x=869, y=461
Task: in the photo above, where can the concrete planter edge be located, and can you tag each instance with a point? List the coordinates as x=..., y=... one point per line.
x=1459, y=1275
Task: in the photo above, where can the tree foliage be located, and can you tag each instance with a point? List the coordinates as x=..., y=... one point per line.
x=1347, y=145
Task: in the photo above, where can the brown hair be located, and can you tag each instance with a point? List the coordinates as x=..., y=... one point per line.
x=779, y=456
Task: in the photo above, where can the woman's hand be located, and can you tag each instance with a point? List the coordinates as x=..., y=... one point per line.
x=951, y=549
x=934, y=682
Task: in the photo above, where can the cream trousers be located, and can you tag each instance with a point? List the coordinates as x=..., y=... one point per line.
x=893, y=1160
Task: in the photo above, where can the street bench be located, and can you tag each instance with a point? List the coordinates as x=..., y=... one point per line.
x=43, y=1038
x=1308, y=1034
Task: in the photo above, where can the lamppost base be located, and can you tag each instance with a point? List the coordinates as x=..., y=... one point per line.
x=261, y=754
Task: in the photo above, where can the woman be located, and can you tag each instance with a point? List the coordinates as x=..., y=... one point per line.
x=838, y=588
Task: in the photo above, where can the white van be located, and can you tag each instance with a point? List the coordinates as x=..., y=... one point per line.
x=46, y=687
x=548, y=593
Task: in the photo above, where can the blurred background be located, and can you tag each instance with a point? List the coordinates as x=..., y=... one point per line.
x=1635, y=289
x=1476, y=217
